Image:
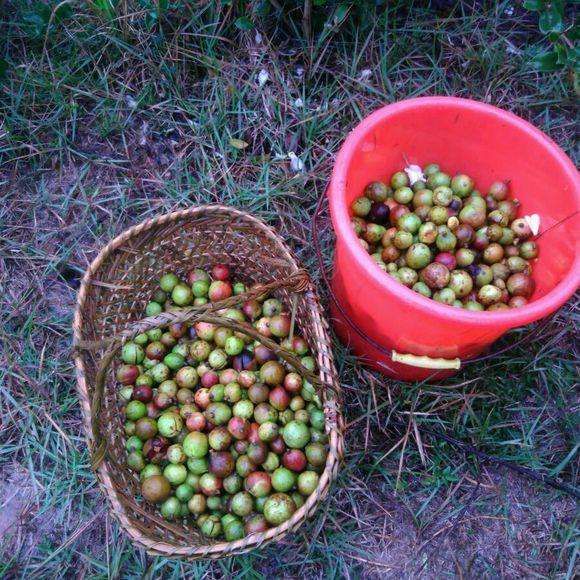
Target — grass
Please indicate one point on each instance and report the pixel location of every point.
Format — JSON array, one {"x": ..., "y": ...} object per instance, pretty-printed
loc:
[{"x": 106, "y": 121}]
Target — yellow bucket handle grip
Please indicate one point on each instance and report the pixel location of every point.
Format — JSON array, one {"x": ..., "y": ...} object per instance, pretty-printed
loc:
[{"x": 426, "y": 362}]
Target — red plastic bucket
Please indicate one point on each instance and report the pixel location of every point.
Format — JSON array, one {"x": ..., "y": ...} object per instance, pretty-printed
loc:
[{"x": 462, "y": 136}]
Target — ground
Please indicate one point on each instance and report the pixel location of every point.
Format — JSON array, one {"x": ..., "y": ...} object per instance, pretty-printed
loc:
[{"x": 109, "y": 119}]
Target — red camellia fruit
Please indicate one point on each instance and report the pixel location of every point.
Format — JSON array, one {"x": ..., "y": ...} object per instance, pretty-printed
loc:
[
  {"x": 220, "y": 272},
  {"x": 155, "y": 351},
  {"x": 152, "y": 410},
  {"x": 228, "y": 376},
  {"x": 219, "y": 290},
  {"x": 299, "y": 345},
  {"x": 280, "y": 325},
  {"x": 294, "y": 460},
  {"x": 246, "y": 379},
  {"x": 143, "y": 393},
  {"x": 195, "y": 275},
  {"x": 293, "y": 382},
  {"x": 258, "y": 483},
  {"x": 279, "y": 398},
  {"x": 239, "y": 428},
  {"x": 127, "y": 374},
  {"x": 209, "y": 379},
  {"x": 202, "y": 398},
  {"x": 277, "y": 445},
  {"x": 447, "y": 259},
  {"x": 241, "y": 446},
  {"x": 163, "y": 400},
  {"x": 178, "y": 329},
  {"x": 264, "y": 354},
  {"x": 205, "y": 330},
  {"x": 196, "y": 422},
  {"x": 257, "y": 452},
  {"x": 253, "y": 436},
  {"x": 263, "y": 326},
  {"x": 252, "y": 309},
  {"x": 397, "y": 212},
  {"x": 435, "y": 275},
  {"x": 221, "y": 463},
  {"x": 256, "y": 525}
]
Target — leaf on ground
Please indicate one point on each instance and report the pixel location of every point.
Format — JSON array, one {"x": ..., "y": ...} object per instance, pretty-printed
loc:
[{"x": 238, "y": 144}]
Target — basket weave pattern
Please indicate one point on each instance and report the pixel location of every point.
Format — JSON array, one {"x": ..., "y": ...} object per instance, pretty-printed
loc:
[{"x": 111, "y": 302}]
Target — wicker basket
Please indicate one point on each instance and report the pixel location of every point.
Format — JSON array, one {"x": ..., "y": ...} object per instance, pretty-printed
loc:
[{"x": 111, "y": 300}]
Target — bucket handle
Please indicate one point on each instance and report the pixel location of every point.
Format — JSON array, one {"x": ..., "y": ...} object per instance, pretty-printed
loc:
[{"x": 426, "y": 362}]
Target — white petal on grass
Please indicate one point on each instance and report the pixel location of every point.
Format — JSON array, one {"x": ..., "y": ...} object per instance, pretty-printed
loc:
[
  {"x": 534, "y": 222},
  {"x": 258, "y": 38},
  {"x": 365, "y": 74},
  {"x": 131, "y": 102},
  {"x": 263, "y": 77},
  {"x": 296, "y": 164},
  {"x": 298, "y": 103},
  {"x": 414, "y": 173}
]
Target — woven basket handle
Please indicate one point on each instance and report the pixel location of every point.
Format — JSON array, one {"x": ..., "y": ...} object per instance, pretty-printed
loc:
[{"x": 297, "y": 282}]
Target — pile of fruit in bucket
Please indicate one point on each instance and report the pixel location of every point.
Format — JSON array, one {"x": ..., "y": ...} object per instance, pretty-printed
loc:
[
  {"x": 442, "y": 238},
  {"x": 218, "y": 427}
]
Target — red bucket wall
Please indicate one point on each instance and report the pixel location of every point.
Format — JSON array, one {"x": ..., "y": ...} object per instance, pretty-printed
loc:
[{"x": 463, "y": 136}]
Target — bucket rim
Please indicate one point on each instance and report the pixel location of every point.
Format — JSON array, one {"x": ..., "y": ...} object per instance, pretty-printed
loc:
[{"x": 340, "y": 216}]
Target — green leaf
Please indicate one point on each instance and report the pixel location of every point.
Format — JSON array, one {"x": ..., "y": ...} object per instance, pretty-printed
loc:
[
  {"x": 105, "y": 8},
  {"x": 561, "y": 54},
  {"x": 534, "y": 5},
  {"x": 341, "y": 13},
  {"x": 574, "y": 33},
  {"x": 558, "y": 6},
  {"x": 244, "y": 23},
  {"x": 546, "y": 61},
  {"x": 161, "y": 7},
  {"x": 551, "y": 21},
  {"x": 63, "y": 12}
]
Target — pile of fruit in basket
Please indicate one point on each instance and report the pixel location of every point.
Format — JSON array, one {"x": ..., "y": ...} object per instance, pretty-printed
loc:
[
  {"x": 445, "y": 240},
  {"x": 218, "y": 427}
]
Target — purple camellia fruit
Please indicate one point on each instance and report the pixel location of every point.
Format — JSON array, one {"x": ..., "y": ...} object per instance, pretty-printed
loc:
[{"x": 379, "y": 213}]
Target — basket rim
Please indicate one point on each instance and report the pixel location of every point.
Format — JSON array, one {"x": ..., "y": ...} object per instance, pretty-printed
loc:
[{"x": 334, "y": 429}]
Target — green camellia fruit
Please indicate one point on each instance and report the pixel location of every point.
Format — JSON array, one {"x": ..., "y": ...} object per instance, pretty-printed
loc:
[
  {"x": 174, "y": 361},
  {"x": 175, "y": 474},
  {"x": 283, "y": 479},
  {"x": 462, "y": 185},
  {"x": 167, "y": 282},
  {"x": 184, "y": 492},
  {"x": 135, "y": 410},
  {"x": 169, "y": 424},
  {"x": 307, "y": 482},
  {"x": 278, "y": 508},
  {"x": 196, "y": 445},
  {"x": 418, "y": 256},
  {"x": 159, "y": 373},
  {"x": 132, "y": 354},
  {"x": 182, "y": 295},
  {"x": 296, "y": 435}
]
